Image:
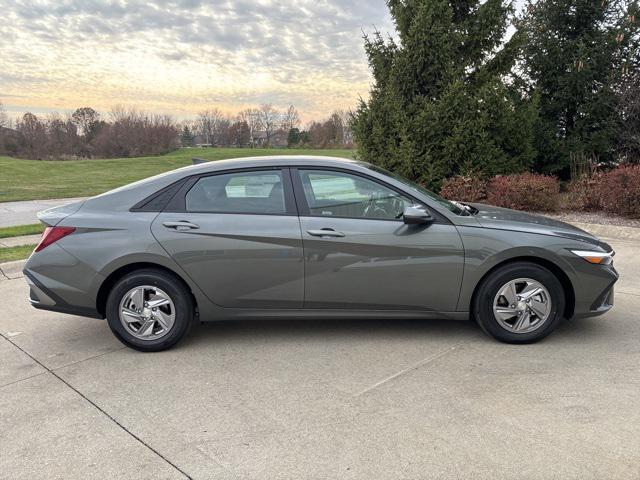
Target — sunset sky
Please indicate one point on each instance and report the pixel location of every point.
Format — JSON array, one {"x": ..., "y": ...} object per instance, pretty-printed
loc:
[{"x": 182, "y": 56}]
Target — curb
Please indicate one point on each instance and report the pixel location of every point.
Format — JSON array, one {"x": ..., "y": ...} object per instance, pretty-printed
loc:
[
  {"x": 12, "y": 270},
  {"x": 19, "y": 241}
]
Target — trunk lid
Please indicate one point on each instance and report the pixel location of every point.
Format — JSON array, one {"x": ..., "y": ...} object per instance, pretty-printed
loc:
[{"x": 54, "y": 215}]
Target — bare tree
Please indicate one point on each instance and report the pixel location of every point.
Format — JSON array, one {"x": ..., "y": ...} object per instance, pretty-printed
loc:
[
  {"x": 4, "y": 119},
  {"x": 290, "y": 119},
  {"x": 208, "y": 124},
  {"x": 269, "y": 118},
  {"x": 85, "y": 119},
  {"x": 251, "y": 116},
  {"x": 32, "y": 137},
  {"x": 345, "y": 119},
  {"x": 239, "y": 134}
]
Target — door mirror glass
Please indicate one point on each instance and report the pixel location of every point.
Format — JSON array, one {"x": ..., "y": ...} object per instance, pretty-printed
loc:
[{"x": 416, "y": 215}]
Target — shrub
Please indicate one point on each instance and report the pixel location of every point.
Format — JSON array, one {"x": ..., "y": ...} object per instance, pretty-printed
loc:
[
  {"x": 465, "y": 188},
  {"x": 524, "y": 191},
  {"x": 619, "y": 191},
  {"x": 584, "y": 193}
]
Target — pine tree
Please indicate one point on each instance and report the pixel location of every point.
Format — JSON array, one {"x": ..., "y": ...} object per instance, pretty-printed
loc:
[
  {"x": 187, "y": 138},
  {"x": 575, "y": 55},
  {"x": 440, "y": 104}
]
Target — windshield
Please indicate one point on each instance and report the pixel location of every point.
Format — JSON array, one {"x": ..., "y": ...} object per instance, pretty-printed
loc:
[{"x": 452, "y": 207}]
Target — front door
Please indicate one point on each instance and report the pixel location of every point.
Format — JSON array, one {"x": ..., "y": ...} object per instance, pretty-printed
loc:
[
  {"x": 238, "y": 237},
  {"x": 359, "y": 254}
]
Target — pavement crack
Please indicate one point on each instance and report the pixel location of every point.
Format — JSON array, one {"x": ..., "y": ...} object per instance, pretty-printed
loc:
[
  {"x": 86, "y": 359},
  {"x": 22, "y": 379},
  {"x": 3, "y": 274},
  {"x": 413, "y": 367},
  {"x": 100, "y": 409}
]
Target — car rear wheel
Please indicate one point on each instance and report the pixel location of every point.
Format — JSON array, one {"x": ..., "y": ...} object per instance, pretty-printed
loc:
[
  {"x": 149, "y": 310},
  {"x": 520, "y": 302}
]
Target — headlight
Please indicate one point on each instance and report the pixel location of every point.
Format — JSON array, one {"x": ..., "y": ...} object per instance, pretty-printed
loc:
[{"x": 598, "y": 258}]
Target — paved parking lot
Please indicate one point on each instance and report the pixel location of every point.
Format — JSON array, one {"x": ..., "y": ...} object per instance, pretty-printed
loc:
[{"x": 322, "y": 399}]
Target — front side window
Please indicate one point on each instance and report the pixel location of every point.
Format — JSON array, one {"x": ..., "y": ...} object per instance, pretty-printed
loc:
[
  {"x": 242, "y": 192},
  {"x": 339, "y": 194}
]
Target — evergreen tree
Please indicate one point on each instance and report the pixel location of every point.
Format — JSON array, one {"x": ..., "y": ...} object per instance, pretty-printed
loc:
[
  {"x": 293, "y": 137},
  {"x": 187, "y": 138},
  {"x": 575, "y": 55},
  {"x": 440, "y": 104}
]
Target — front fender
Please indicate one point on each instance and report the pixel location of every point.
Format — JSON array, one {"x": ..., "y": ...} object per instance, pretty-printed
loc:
[{"x": 485, "y": 249}]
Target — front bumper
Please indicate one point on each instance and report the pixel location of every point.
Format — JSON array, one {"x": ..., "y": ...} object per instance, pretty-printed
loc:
[{"x": 595, "y": 293}]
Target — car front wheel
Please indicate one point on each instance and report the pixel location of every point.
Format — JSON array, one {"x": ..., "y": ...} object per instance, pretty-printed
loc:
[
  {"x": 149, "y": 310},
  {"x": 521, "y": 302}
]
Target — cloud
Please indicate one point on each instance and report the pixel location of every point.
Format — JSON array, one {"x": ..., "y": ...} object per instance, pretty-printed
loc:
[{"x": 180, "y": 54}]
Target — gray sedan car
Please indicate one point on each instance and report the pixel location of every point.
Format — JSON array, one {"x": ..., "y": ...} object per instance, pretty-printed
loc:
[{"x": 309, "y": 237}]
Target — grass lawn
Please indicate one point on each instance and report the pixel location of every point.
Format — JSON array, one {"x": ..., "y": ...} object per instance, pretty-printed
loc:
[
  {"x": 10, "y": 254},
  {"x": 35, "y": 179},
  {"x": 20, "y": 230}
]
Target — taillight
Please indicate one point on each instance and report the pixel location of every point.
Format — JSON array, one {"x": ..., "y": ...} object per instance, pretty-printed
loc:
[{"x": 52, "y": 235}]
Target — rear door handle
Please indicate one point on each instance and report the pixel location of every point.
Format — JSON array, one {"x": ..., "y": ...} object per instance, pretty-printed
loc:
[
  {"x": 325, "y": 232},
  {"x": 181, "y": 226}
]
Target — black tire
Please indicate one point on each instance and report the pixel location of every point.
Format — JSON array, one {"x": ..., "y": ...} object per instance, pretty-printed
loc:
[
  {"x": 172, "y": 286},
  {"x": 488, "y": 289}
]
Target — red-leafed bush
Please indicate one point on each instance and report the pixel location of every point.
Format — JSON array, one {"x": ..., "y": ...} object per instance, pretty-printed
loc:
[
  {"x": 619, "y": 191},
  {"x": 524, "y": 191},
  {"x": 584, "y": 193},
  {"x": 464, "y": 188}
]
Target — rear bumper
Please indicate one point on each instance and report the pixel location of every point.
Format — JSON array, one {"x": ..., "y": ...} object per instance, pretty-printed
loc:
[
  {"x": 43, "y": 298},
  {"x": 59, "y": 282}
]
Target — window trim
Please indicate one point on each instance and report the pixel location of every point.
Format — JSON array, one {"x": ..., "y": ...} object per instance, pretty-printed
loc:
[
  {"x": 303, "y": 204},
  {"x": 178, "y": 202},
  {"x": 143, "y": 205}
]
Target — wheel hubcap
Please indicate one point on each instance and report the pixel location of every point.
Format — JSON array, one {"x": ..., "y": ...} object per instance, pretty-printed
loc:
[
  {"x": 522, "y": 305},
  {"x": 147, "y": 312}
]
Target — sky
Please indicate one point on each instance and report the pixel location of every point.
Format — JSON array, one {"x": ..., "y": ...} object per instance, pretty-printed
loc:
[{"x": 183, "y": 56}]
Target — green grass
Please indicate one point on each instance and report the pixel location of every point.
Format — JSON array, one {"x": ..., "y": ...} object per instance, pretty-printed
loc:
[
  {"x": 10, "y": 254},
  {"x": 36, "y": 179},
  {"x": 21, "y": 230}
]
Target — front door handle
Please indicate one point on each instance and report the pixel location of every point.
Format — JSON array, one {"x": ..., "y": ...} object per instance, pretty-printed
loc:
[
  {"x": 181, "y": 226},
  {"x": 325, "y": 232}
]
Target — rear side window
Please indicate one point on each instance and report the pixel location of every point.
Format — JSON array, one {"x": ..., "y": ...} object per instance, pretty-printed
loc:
[{"x": 242, "y": 192}]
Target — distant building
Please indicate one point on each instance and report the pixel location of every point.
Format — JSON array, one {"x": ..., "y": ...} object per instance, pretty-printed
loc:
[
  {"x": 278, "y": 139},
  {"x": 259, "y": 140},
  {"x": 201, "y": 141}
]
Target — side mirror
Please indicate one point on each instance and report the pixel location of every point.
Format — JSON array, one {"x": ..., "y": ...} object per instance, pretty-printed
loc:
[{"x": 416, "y": 215}]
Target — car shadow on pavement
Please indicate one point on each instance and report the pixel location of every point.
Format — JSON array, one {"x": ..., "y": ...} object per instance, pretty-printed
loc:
[
  {"x": 375, "y": 330},
  {"x": 330, "y": 329}
]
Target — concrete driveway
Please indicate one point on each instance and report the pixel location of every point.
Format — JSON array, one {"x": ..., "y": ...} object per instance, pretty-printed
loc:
[{"x": 331, "y": 399}]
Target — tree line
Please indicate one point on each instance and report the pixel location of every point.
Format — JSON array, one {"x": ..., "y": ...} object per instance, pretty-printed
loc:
[
  {"x": 128, "y": 132},
  {"x": 124, "y": 132},
  {"x": 453, "y": 95},
  {"x": 266, "y": 126}
]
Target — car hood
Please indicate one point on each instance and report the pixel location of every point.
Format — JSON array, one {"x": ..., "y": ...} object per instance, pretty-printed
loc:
[{"x": 506, "y": 219}]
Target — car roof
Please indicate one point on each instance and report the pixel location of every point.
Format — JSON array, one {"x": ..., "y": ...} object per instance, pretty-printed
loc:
[{"x": 267, "y": 161}]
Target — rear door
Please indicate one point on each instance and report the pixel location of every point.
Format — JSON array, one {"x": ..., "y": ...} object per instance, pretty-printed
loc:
[
  {"x": 237, "y": 235},
  {"x": 359, "y": 253}
]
